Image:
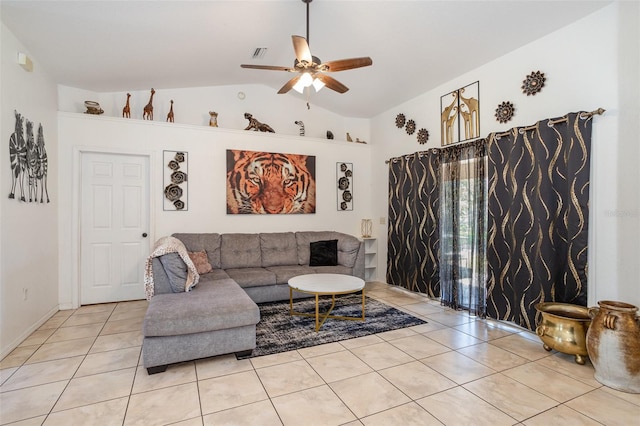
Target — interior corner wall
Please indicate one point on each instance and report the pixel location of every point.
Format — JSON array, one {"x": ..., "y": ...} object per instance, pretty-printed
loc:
[
  {"x": 206, "y": 210},
  {"x": 28, "y": 231},
  {"x": 581, "y": 64}
]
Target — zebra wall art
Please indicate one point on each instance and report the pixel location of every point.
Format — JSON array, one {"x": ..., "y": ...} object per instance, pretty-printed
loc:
[{"x": 28, "y": 161}]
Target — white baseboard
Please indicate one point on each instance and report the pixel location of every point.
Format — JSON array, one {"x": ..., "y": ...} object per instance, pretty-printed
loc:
[{"x": 7, "y": 350}]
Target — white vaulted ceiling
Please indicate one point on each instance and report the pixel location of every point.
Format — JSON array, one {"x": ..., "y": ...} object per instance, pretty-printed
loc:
[{"x": 110, "y": 46}]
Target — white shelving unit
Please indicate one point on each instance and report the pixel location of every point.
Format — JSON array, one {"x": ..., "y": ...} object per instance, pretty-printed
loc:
[{"x": 370, "y": 258}]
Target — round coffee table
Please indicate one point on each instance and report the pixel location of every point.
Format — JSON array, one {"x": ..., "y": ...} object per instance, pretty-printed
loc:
[{"x": 322, "y": 285}]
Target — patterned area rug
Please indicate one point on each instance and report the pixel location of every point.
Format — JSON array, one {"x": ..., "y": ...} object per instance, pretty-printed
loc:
[{"x": 277, "y": 331}]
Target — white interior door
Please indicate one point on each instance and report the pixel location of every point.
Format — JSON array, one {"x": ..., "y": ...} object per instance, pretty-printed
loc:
[{"x": 114, "y": 227}]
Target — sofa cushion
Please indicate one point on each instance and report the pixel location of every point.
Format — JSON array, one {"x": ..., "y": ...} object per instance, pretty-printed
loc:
[
  {"x": 176, "y": 271},
  {"x": 200, "y": 259},
  {"x": 323, "y": 253},
  {"x": 216, "y": 305},
  {"x": 208, "y": 242},
  {"x": 285, "y": 272},
  {"x": 278, "y": 249},
  {"x": 240, "y": 251},
  {"x": 216, "y": 274},
  {"x": 249, "y": 277},
  {"x": 348, "y": 246},
  {"x": 160, "y": 279}
]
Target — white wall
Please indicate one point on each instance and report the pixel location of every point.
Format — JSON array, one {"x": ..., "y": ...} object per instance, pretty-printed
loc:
[
  {"x": 207, "y": 170},
  {"x": 581, "y": 63},
  {"x": 29, "y": 231}
]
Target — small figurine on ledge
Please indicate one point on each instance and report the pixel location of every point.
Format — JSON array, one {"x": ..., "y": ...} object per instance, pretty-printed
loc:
[
  {"x": 359, "y": 141},
  {"x": 349, "y": 137},
  {"x": 148, "y": 109},
  {"x": 213, "y": 119},
  {"x": 256, "y": 125},
  {"x": 126, "y": 111},
  {"x": 170, "y": 115},
  {"x": 301, "y": 124},
  {"x": 93, "y": 107}
]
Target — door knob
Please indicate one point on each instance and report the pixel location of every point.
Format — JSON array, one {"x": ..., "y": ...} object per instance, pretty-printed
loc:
[{"x": 144, "y": 235}]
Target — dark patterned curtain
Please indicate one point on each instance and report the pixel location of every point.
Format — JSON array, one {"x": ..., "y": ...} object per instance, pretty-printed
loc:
[
  {"x": 537, "y": 217},
  {"x": 414, "y": 238},
  {"x": 463, "y": 226}
]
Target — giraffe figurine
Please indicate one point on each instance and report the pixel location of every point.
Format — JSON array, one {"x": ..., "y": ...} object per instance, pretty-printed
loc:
[
  {"x": 126, "y": 111},
  {"x": 170, "y": 115},
  {"x": 148, "y": 109}
]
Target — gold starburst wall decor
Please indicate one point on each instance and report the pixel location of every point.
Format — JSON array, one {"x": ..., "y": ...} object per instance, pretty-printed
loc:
[
  {"x": 533, "y": 83},
  {"x": 423, "y": 136},
  {"x": 504, "y": 112}
]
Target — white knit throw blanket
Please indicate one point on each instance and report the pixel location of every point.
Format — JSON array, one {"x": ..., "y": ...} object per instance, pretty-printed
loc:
[{"x": 163, "y": 246}]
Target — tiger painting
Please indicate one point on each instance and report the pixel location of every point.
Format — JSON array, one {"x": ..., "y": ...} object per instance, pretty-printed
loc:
[{"x": 270, "y": 183}]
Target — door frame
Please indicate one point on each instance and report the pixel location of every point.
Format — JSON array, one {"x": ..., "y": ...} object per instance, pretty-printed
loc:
[{"x": 76, "y": 212}]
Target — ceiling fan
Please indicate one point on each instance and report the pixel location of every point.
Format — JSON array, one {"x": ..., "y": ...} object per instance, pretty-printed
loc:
[{"x": 311, "y": 70}]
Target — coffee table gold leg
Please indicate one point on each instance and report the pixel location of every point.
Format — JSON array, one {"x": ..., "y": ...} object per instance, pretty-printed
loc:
[
  {"x": 290, "y": 301},
  {"x": 317, "y": 326},
  {"x": 363, "y": 304}
]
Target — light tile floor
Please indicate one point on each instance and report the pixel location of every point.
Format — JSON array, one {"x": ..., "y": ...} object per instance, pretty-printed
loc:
[{"x": 82, "y": 367}]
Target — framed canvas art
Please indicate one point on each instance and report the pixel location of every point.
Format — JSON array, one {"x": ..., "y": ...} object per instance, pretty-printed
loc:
[{"x": 270, "y": 183}]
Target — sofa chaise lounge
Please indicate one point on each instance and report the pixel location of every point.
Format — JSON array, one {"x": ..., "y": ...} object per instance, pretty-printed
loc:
[{"x": 219, "y": 315}]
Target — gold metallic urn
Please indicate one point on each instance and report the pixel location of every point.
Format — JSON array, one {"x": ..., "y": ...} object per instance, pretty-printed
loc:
[{"x": 564, "y": 328}]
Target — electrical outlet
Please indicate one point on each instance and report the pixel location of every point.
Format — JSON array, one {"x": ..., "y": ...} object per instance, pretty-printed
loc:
[
  {"x": 383, "y": 220},
  {"x": 25, "y": 294}
]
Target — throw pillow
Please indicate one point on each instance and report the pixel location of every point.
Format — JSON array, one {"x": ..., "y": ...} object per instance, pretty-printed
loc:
[
  {"x": 176, "y": 271},
  {"x": 201, "y": 261},
  {"x": 324, "y": 253}
]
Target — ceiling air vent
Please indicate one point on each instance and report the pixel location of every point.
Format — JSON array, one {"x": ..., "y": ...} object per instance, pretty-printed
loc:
[{"x": 259, "y": 52}]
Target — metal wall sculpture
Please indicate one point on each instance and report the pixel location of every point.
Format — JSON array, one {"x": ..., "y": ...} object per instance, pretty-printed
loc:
[
  {"x": 29, "y": 162},
  {"x": 344, "y": 177},
  {"x": 460, "y": 114},
  {"x": 270, "y": 183},
  {"x": 175, "y": 180}
]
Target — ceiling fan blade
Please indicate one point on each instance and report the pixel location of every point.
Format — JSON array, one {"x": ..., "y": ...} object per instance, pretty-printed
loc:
[
  {"x": 268, "y": 67},
  {"x": 289, "y": 85},
  {"x": 331, "y": 83},
  {"x": 346, "y": 64},
  {"x": 301, "y": 47}
]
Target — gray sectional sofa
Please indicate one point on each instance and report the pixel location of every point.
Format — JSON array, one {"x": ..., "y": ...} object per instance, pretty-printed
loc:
[{"x": 219, "y": 315}]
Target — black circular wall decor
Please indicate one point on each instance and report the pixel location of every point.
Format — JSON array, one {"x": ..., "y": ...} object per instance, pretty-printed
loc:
[
  {"x": 400, "y": 120},
  {"x": 504, "y": 112},
  {"x": 533, "y": 83}
]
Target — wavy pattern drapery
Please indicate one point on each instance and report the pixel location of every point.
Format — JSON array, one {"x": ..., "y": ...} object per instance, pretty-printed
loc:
[
  {"x": 538, "y": 218},
  {"x": 413, "y": 234}
]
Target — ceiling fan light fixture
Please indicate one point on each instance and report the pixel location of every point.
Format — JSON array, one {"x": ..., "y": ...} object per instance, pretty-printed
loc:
[
  {"x": 317, "y": 84},
  {"x": 306, "y": 80}
]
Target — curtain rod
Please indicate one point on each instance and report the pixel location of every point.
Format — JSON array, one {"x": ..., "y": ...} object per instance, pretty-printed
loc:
[{"x": 583, "y": 115}]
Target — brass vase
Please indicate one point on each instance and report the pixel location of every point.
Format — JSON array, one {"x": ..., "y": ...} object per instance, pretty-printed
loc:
[
  {"x": 564, "y": 328},
  {"x": 613, "y": 343}
]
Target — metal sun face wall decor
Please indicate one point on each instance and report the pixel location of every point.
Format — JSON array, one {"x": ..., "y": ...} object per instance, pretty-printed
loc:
[
  {"x": 460, "y": 114},
  {"x": 270, "y": 183},
  {"x": 344, "y": 177},
  {"x": 29, "y": 162},
  {"x": 175, "y": 180}
]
